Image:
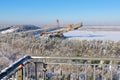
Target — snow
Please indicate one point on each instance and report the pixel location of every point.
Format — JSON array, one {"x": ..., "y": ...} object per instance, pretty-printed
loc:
[
  {"x": 93, "y": 35},
  {"x": 8, "y": 31},
  {"x": 83, "y": 34}
]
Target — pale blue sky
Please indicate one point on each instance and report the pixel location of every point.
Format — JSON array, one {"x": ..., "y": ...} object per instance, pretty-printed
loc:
[{"x": 90, "y": 12}]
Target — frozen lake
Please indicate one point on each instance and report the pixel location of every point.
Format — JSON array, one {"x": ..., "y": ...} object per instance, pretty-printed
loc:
[{"x": 93, "y": 35}]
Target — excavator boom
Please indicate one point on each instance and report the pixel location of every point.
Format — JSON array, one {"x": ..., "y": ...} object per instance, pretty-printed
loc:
[{"x": 60, "y": 32}]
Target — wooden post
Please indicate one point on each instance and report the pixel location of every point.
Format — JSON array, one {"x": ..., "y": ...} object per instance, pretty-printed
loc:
[{"x": 20, "y": 74}]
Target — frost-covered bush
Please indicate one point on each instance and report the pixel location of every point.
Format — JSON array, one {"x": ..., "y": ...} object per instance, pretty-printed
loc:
[{"x": 15, "y": 46}]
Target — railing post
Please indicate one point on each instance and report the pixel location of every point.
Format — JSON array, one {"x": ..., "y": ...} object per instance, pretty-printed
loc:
[
  {"x": 44, "y": 70},
  {"x": 35, "y": 70},
  {"x": 102, "y": 71},
  {"x": 85, "y": 71},
  {"x": 77, "y": 70},
  {"x": 27, "y": 71},
  {"x": 13, "y": 78},
  {"x": 61, "y": 73},
  {"x": 94, "y": 76},
  {"x": 20, "y": 74},
  {"x": 24, "y": 73}
]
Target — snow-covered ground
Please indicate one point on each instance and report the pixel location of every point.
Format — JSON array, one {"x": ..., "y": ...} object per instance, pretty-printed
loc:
[
  {"x": 8, "y": 31},
  {"x": 93, "y": 35},
  {"x": 85, "y": 33}
]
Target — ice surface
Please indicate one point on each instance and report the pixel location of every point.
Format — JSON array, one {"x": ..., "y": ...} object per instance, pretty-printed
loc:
[{"x": 91, "y": 35}]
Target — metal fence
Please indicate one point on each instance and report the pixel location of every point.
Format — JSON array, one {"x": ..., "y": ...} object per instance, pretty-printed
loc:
[{"x": 63, "y": 68}]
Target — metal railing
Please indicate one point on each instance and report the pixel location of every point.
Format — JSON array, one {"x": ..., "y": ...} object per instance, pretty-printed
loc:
[
  {"x": 62, "y": 68},
  {"x": 15, "y": 66}
]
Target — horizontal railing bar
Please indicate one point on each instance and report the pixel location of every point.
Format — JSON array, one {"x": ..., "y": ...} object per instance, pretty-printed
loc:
[
  {"x": 81, "y": 64},
  {"x": 74, "y": 58}
]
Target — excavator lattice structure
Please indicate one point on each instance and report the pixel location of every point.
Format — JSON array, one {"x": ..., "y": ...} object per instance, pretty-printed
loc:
[{"x": 59, "y": 33}]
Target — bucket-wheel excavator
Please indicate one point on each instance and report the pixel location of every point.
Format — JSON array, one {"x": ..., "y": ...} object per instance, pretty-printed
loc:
[{"x": 59, "y": 33}]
